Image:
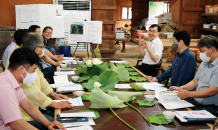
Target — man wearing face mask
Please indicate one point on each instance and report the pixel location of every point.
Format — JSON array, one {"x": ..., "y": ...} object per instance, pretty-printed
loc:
[
  {"x": 205, "y": 82},
  {"x": 152, "y": 52},
  {"x": 183, "y": 67},
  {"x": 22, "y": 69},
  {"x": 39, "y": 90}
]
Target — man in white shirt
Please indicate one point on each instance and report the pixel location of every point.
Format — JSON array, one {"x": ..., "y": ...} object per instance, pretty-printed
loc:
[
  {"x": 152, "y": 52},
  {"x": 18, "y": 39}
]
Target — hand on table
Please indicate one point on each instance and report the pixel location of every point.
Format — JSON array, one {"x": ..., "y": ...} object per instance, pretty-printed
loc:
[
  {"x": 183, "y": 94},
  {"x": 63, "y": 104},
  {"x": 177, "y": 88},
  {"x": 58, "y": 63},
  {"x": 56, "y": 124},
  {"x": 151, "y": 79},
  {"x": 60, "y": 96}
]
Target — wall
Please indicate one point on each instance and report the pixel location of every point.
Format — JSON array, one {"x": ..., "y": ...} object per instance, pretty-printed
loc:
[
  {"x": 120, "y": 4},
  {"x": 7, "y": 9}
]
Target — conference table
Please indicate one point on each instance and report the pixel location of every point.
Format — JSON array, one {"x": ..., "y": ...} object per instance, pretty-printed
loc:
[{"x": 108, "y": 121}]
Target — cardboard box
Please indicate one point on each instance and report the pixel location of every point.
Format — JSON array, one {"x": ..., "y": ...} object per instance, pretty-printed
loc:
[
  {"x": 167, "y": 28},
  {"x": 162, "y": 36},
  {"x": 164, "y": 18},
  {"x": 172, "y": 23}
]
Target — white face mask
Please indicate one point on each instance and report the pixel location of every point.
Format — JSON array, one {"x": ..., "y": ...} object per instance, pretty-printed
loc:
[
  {"x": 30, "y": 78},
  {"x": 42, "y": 52},
  {"x": 204, "y": 57}
]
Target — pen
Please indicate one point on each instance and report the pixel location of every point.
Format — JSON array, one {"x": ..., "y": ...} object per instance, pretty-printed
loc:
[
  {"x": 173, "y": 89},
  {"x": 214, "y": 126}
]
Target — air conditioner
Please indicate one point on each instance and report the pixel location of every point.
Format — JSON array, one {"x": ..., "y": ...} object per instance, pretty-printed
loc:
[{"x": 79, "y": 10}]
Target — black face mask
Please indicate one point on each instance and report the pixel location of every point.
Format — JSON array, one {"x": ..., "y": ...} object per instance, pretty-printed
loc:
[{"x": 175, "y": 47}]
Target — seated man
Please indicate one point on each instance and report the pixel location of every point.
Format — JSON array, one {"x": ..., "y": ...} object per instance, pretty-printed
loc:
[
  {"x": 184, "y": 64},
  {"x": 22, "y": 69},
  {"x": 47, "y": 67},
  {"x": 38, "y": 90},
  {"x": 18, "y": 39},
  {"x": 152, "y": 52},
  {"x": 205, "y": 82}
]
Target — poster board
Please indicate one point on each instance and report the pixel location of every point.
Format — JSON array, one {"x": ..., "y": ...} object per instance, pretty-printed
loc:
[
  {"x": 85, "y": 31},
  {"x": 42, "y": 15}
]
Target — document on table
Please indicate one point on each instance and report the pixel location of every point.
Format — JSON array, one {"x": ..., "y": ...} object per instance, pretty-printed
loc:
[
  {"x": 68, "y": 58},
  {"x": 154, "y": 86},
  {"x": 69, "y": 84},
  {"x": 73, "y": 88},
  {"x": 176, "y": 104},
  {"x": 61, "y": 79},
  {"x": 65, "y": 69},
  {"x": 77, "y": 128},
  {"x": 73, "y": 101},
  {"x": 117, "y": 62},
  {"x": 90, "y": 122},
  {"x": 64, "y": 73},
  {"x": 69, "y": 61},
  {"x": 203, "y": 114},
  {"x": 78, "y": 114},
  {"x": 122, "y": 86}
]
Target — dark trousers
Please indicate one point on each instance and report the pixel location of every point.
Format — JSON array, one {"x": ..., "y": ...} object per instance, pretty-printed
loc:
[
  {"x": 210, "y": 108},
  {"x": 40, "y": 126},
  {"x": 147, "y": 69},
  {"x": 49, "y": 111}
]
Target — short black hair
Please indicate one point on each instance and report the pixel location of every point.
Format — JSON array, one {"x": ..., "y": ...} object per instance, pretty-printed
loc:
[
  {"x": 33, "y": 28},
  {"x": 23, "y": 56},
  {"x": 155, "y": 25},
  {"x": 208, "y": 42},
  {"x": 183, "y": 35},
  {"x": 19, "y": 34},
  {"x": 47, "y": 27}
]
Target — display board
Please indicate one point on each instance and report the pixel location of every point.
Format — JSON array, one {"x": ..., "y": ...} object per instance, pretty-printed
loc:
[{"x": 42, "y": 15}]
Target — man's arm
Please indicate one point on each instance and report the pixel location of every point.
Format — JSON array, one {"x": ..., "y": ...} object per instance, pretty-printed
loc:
[
  {"x": 50, "y": 61},
  {"x": 21, "y": 125},
  {"x": 189, "y": 86},
  {"x": 211, "y": 91},
  {"x": 142, "y": 51},
  {"x": 34, "y": 112},
  {"x": 48, "y": 53}
]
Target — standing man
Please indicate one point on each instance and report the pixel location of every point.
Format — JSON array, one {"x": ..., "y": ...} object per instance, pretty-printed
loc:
[
  {"x": 22, "y": 69},
  {"x": 184, "y": 64},
  {"x": 152, "y": 52},
  {"x": 202, "y": 91}
]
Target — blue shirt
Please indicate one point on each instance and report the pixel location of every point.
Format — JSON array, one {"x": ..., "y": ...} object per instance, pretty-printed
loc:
[
  {"x": 48, "y": 44},
  {"x": 182, "y": 70},
  {"x": 7, "y": 52},
  {"x": 207, "y": 75}
]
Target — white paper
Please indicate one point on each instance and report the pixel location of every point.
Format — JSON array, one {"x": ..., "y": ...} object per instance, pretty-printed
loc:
[
  {"x": 68, "y": 58},
  {"x": 117, "y": 62},
  {"x": 72, "y": 88},
  {"x": 64, "y": 73},
  {"x": 180, "y": 118},
  {"x": 175, "y": 104},
  {"x": 63, "y": 69},
  {"x": 79, "y": 114},
  {"x": 157, "y": 94},
  {"x": 122, "y": 86},
  {"x": 154, "y": 86},
  {"x": 77, "y": 128},
  {"x": 195, "y": 114},
  {"x": 61, "y": 79},
  {"x": 74, "y": 101},
  {"x": 69, "y": 84},
  {"x": 69, "y": 61}
]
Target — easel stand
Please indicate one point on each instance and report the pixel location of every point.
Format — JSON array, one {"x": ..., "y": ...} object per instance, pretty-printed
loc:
[{"x": 86, "y": 44}]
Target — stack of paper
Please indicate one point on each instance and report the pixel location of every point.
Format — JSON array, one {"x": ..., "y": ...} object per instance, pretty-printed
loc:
[
  {"x": 170, "y": 100},
  {"x": 64, "y": 73},
  {"x": 183, "y": 116},
  {"x": 61, "y": 79},
  {"x": 71, "y": 88},
  {"x": 73, "y": 101},
  {"x": 147, "y": 85},
  {"x": 117, "y": 62},
  {"x": 77, "y": 128},
  {"x": 80, "y": 114},
  {"x": 66, "y": 69},
  {"x": 68, "y": 84},
  {"x": 68, "y": 58},
  {"x": 69, "y": 61}
]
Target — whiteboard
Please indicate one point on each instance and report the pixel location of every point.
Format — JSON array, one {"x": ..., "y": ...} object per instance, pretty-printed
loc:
[{"x": 42, "y": 15}]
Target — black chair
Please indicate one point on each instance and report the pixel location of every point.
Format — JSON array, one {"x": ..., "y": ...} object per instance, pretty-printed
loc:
[{"x": 158, "y": 67}]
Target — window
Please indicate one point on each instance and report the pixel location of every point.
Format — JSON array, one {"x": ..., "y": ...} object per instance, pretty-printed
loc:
[
  {"x": 126, "y": 12},
  {"x": 166, "y": 7}
]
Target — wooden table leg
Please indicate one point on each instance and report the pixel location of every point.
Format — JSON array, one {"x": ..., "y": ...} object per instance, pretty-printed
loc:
[{"x": 123, "y": 46}]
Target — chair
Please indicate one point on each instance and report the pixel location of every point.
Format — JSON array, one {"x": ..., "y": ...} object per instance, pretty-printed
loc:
[{"x": 158, "y": 67}]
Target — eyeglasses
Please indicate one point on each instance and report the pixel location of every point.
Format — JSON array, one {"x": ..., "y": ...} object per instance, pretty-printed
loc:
[
  {"x": 41, "y": 46},
  {"x": 153, "y": 31},
  {"x": 48, "y": 32}
]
